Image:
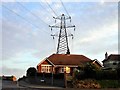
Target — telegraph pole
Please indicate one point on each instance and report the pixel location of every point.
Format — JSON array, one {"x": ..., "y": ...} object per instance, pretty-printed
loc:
[{"x": 62, "y": 47}]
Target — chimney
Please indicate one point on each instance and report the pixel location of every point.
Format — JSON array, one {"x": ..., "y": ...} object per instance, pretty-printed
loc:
[{"x": 106, "y": 55}]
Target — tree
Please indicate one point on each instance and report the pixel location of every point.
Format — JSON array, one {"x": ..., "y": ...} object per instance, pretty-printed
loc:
[
  {"x": 118, "y": 73},
  {"x": 90, "y": 70},
  {"x": 87, "y": 70},
  {"x": 31, "y": 72}
]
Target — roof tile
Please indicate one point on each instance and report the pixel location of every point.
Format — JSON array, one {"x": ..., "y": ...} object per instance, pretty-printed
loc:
[{"x": 68, "y": 59}]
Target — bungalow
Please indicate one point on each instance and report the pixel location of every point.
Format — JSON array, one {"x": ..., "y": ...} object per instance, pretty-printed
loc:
[
  {"x": 59, "y": 63},
  {"x": 112, "y": 61},
  {"x": 10, "y": 78}
]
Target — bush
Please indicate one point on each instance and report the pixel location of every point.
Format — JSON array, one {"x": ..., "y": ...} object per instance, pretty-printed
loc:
[
  {"x": 109, "y": 83},
  {"x": 86, "y": 72},
  {"x": 118, "y": 73},
  {"x": 106, "y": 75},
  {"x": 89, "y": 71},
  {"x": 88, "y": 83},
  {"x": 31, "y": 72},
  {"x": 79, "y": 75}
]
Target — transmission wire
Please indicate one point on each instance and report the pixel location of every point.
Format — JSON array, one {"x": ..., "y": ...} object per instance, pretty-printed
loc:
[
  {"x": 45, "y": 9},
  {"x": 31, "y": 12},
  {"x": 64, "y": 8},
  {"x": 22, "y": 17},
  {"x": 51, "y": 8}
]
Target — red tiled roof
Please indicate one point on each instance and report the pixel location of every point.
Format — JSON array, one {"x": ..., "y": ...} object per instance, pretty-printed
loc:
[
  {"x": 68, "y": 59},
  {"x": 115, "y": 57}
]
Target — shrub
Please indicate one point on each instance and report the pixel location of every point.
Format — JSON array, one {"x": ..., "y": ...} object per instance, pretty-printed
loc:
[
  {"x": 88, "y": 71},
  {"x": 92, "y": 72},
  {"x": 118, "y": 73},
  {"x": 31, "y": 72},
  {"x": 106, "y": 75},
  {"x": 109, "y": 83},
  {"x": 88, "y": 83}
]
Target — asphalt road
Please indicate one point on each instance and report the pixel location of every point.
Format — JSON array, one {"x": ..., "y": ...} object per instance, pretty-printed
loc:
[{"x": 10, "y": 85}]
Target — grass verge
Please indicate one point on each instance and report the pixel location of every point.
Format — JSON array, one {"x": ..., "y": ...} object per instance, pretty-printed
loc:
[{"x": 109, "y": 83}]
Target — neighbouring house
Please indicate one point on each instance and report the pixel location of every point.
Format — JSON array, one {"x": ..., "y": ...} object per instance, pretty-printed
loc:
[
  {"x": 58, "y": 63},
  {"x": 97, "y": 63},
  {"x": 10, "y": 78},
  {"x": 112, "y": 61}
]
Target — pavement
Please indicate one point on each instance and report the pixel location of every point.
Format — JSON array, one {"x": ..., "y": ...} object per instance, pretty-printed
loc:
[
  {"x": 10, "y": 84},
  {"x": 24, "y": 84},
  {"x": 42, "y": 87}
]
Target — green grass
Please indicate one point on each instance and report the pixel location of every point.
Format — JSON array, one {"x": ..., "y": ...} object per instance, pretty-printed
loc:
[{"x": 109, "y": 83}]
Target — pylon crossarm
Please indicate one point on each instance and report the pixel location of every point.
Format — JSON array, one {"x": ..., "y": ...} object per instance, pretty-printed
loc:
[
  {"x": 70, "y": 26},
  {"x": 57, "y": 18},
  {"x": 67, "y": 18},
  {"x": 54, "y": 26}
]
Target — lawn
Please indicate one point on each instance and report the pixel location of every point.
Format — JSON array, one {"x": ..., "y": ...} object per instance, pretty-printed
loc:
[{"x": 109, "y": 83}]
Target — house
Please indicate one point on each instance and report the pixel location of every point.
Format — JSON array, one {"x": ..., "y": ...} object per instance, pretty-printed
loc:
[
  {"x": 112, "y": 61},
  {"x": 59, "y": 63},
  {"x": 10, "y": 78},
  {"x": 97, "y": 63}
]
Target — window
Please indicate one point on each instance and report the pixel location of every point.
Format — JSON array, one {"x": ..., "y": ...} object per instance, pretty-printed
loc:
[
  {"x": 42, "y": 69},
  {"x": 62, "y": 69},
  {"x": 45, "y": 68}
]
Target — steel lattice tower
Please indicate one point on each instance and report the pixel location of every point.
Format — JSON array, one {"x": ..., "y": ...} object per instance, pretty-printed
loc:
[{"x": 62, "y": 47}]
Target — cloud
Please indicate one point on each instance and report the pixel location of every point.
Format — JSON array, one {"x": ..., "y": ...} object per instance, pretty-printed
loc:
[
  {"x": 12, "y": 71},
  {"x": 0, "y": 40},
  {"x": 20, "y": 38},
  {"x": 11, "y": 38},
  {"x": 98, "y": 41},
  {"x": 24, "y": 45},
  {"x": 101, "y": 33},
  {"x": 49, "y": 1}
]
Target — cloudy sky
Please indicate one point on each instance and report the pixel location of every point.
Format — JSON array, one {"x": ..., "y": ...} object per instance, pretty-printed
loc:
[{"x": 26, "y": 36}]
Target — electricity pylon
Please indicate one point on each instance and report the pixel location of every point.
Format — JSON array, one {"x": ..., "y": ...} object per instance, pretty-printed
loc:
[{"x": 63, "y": 47}]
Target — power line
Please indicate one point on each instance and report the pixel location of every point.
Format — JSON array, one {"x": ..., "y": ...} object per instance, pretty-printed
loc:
[
  {"x": 64, "y": 8},
  {"x": 44, "y": 8},
  {"x": 31, "y": 12},
  {"x": 22, "y": 17},
  {"x": 51, "y": 8}
]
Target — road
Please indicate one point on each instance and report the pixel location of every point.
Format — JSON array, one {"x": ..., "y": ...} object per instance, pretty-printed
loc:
[{"x": 9, "y": 85}]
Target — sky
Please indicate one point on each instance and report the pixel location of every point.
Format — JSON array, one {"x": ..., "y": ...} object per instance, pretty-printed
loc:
[{"x": 26, "y": 35}]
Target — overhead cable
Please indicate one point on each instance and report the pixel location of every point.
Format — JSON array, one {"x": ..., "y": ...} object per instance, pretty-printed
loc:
[
  {"x": 31, "y": 12},
  {"x": 64, "y": 8},
  {"x": 51, "y": 8},
  {"x": 45, "y": 8},
  {"x": 23, "y": 18}
]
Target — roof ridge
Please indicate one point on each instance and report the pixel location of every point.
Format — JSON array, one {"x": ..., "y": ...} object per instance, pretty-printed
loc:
[
  {"x": 114, "y": 54},
  {"x": 69, "y": 54}
]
